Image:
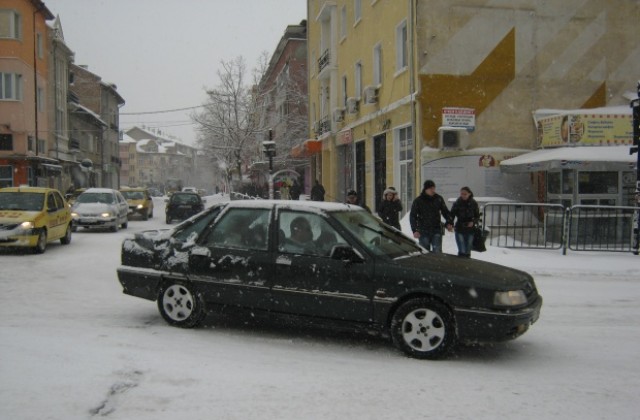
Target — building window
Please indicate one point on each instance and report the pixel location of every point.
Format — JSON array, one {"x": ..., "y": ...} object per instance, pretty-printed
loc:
[
  {"x": 6, "y": 142},
  {"x": 401, "y": 46},
  {"x": 358, "y": 80},
  {"x": 10, "y": 86},
  {"x": 377, "y": 65},
  {"x": 40, "y": 99},
  {"x": 6, "y": 176},
  {"x": 357, "y": 11},
  {"x": 344, "y": 91},
  {"x": 343, "y": 22},
  {"x": 39, "y": 45},
  {"x": 404, "y": 138},
  {"x": 10, "y": 24}
]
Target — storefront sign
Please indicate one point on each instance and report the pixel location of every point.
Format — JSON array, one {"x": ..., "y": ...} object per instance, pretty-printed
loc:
[
  {"x": 344, "y": 137},
  {"x": 459, "y": 117},
  {"x": 584, "y": 129}
]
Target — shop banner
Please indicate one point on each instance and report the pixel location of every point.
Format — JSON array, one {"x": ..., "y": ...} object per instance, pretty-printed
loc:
[
  {"x": 584, "y": 129},
  {"x": 459, "y": 117}
]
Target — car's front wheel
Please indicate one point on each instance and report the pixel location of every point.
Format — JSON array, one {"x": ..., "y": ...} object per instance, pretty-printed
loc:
[
  {"x": 423, "y": 328},
  {"x": 41, "y": 245},
  {"x": 179, "y": 305},
  {"x": 66, "y": 239}
]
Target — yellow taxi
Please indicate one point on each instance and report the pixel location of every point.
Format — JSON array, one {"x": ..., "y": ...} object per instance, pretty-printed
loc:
[
  {"x": 139, "y": 200},
  {"x": 32, "y": 216}
]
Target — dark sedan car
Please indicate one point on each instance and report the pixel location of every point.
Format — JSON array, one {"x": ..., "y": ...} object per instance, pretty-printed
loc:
[
  {"x": 182, "y": 205},
  {"x": 327, "y": 262}
]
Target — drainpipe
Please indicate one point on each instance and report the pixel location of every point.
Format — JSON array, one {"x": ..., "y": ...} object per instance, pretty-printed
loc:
[{"x": 412, "y": 93}]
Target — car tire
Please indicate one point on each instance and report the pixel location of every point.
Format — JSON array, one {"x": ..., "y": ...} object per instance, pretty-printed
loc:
[
  {"x": 125, "y": 224},
  {"x": 41, "y": 245},
  {"x": 423, "y": 328},
  {"x": 151, "y": 214},
  {"x": 115, "y": 227},
  {"x": 145, "y": 216},
  {"x": 66, "y": 239},
  {"x": 180, "y": 305}
]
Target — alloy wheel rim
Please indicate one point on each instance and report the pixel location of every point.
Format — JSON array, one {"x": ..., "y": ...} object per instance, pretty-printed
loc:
[
  {"x": 178, "y": 303},
  {"x": 423, "y": 330}
]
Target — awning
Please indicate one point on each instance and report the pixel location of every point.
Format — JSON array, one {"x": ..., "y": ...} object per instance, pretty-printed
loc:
[
  {"x": 52, "y": 168},
  {"x": 594, "y": 158},
  {"x": 307, "y": 148}
]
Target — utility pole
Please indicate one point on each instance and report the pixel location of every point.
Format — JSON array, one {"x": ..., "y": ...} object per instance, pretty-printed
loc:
[{"x": 635, "y": 105}]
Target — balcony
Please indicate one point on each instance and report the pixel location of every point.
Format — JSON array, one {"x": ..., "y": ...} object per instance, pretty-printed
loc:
[{"x": 324, "y": 60}]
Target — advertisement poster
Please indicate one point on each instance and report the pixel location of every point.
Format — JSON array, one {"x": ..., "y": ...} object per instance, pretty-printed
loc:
[
  {"x": 459, "y": 117},
  {"x": 584, "y": 129},
  {"x": 481, "y": 173}
]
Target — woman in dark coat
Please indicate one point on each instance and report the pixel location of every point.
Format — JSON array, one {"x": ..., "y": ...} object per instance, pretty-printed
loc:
[
  {"x": 466, "y": 213},
  {"x": 390, "y": 208}
]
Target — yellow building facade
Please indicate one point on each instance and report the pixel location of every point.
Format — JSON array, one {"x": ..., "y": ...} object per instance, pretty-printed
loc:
[{"x": 403, "y": 91}]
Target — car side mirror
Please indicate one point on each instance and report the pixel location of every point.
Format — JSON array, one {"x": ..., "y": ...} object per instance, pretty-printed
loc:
[{"x": 345, "y": 253}]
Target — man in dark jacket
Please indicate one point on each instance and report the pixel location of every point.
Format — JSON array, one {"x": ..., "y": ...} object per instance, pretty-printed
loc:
[
  {"x": 426, "y": 215},
  {"x": 317, "y": 192}
]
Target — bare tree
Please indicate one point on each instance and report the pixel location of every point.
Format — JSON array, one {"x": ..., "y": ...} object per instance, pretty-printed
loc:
[{"x": 230, "y": 120}]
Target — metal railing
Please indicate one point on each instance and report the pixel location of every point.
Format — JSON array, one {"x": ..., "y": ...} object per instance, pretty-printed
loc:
[
  {"x": 552, "y": 226},
  {"x": 600, "y": 228}
]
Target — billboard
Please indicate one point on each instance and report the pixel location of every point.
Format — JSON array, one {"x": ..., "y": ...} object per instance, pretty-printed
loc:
[{"x": 581, "y": 128}]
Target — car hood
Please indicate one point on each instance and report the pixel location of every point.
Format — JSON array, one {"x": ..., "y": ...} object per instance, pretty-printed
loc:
[
  {"x": 92, "y": 207},
  {"x": 15, "y": 216},
  {"x": 466, "y": 271}
]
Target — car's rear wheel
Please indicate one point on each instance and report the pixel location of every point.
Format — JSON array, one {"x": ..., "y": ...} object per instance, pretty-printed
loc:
[
  {"x": 41, "y": 245},
  {"x": 179, "y": 305},
  {"x": 423, "y": 328},
  {"x": 66, "y": 239},
  {"x": 125, "y": 224}
]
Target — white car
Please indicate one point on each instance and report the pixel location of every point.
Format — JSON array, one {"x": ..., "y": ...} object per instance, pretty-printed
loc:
[
  {"x": 100, "y": 208},
  {"x": 190, "y": 189}
]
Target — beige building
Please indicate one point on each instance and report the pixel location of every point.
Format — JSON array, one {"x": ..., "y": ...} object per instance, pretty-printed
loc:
[{"x": 400, "y": 92}]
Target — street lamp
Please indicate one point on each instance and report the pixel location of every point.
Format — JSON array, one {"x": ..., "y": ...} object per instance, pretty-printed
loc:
[{"x": 269, "y": 149}]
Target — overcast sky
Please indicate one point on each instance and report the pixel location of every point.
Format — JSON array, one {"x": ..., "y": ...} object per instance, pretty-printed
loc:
[{"x": 161, "y": 54}]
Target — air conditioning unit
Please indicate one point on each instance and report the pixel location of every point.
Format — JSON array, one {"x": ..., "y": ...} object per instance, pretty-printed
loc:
[
  {"x": 352, "y": 105},
  {"x": 370, "y": 94},
  {"x": 338, "y": 115},
  {"x": 453, "y": 138}
]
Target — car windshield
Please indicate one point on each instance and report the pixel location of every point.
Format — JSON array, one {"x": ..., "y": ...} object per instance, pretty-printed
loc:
[
  {"x": 105, "y": 198},
  {"x": 376, "y": 236},
  {"x": 30, "y": 201},
  {"x": 185, "y": 199},
  {"x": 133, "y": 195}
]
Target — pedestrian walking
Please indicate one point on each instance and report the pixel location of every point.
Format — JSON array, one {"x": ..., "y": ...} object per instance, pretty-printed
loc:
[
  {"x": 317, "y": 191},
  {"x": 295, "y": 191},
  {"x": 390, "y": 208},
  {"x": 352, "y": 198},
  {"x": 427, "y": 212},
  {"x": 466, "y": 213}
]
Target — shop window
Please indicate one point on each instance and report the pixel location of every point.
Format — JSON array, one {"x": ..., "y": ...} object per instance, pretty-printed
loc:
[
  {"x": 6, "y": 142},
  {"x": 598, "y": 183},
  {"x": 6, "y": 176},
  {"x": 554, "y": 183}
]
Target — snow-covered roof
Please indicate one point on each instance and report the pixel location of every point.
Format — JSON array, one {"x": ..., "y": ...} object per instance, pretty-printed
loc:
[
  {"x": 585, "y": 157},
  {"x": 608, "y": 110}
]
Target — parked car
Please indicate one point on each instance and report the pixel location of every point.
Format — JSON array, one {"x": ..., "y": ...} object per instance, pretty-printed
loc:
[
  {"x": 327, "y": 263},
  {"x": 139, "y": 201},
  {"x": 182, "y": 205},
  {"x": 31, "y": 217},
  {"x": 155, "y": 192},
  {"x": 100, "y": 208},
  {"x": 190, "y": 189}
]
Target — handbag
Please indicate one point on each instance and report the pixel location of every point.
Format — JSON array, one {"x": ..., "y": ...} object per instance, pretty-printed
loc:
[{"x": 478, "y": 240}]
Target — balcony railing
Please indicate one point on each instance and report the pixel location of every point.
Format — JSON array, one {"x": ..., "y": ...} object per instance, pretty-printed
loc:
[{"x": 324, "y": 60}]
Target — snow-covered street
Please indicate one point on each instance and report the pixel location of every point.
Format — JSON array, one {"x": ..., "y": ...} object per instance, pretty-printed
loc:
[{"x": 75, "y": 347}]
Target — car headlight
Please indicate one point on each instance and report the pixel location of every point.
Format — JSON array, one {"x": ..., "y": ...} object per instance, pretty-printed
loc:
[
  {"x": 139, "y": 206},
  {"x": 510, "y": 298},
  {"x": 106, "y": 214},
  {"x": 27, "y": 225},
  {"x": 74, "y": 214}
]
